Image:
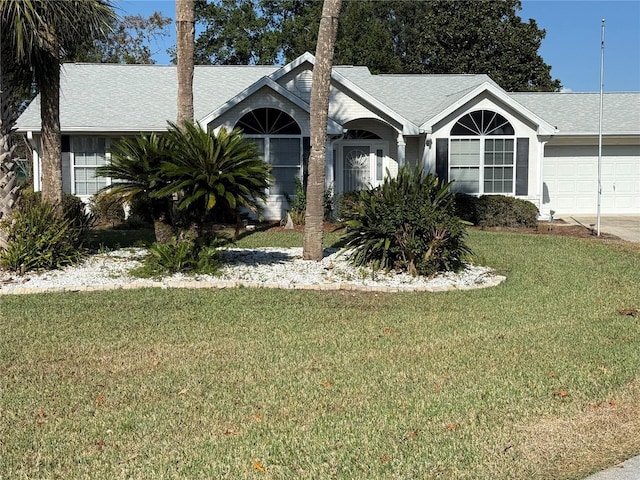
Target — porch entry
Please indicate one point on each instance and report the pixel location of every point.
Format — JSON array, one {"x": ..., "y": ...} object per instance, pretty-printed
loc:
[{"x": 362, "y": 165}]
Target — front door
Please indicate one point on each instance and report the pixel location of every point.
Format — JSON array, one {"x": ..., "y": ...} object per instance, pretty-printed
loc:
[{"x": 356, "y": 160}]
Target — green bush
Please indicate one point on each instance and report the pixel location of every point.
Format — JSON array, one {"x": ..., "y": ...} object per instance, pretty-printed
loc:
[
  {"x": 191, "y": 254},
  {"x": 73, "y": 209},
  {"x": 496, "y": 211},
  {"x": 407, "y": 224},
  {"x": 298, "y": 203},
  {"x": 40, "y": 239},
  {"x": 107, "y": 208}
]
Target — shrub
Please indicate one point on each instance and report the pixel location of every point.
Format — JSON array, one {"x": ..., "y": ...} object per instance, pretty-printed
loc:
[
  {"x": 466, "y": 207},
  {"x": 497, "y": 211},
  {"x": 407, "y": 224},
  {"x": 298, "y": 203},
  {"x": 108, "y": 209},
  {"x": 190, "y": 254},
  {"x": 40, "y": 239}
]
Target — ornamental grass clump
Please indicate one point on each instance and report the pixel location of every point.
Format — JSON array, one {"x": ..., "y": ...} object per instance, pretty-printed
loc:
[
  {"x": 406, "y": 224},
  {"x": 39, "y": 237}
]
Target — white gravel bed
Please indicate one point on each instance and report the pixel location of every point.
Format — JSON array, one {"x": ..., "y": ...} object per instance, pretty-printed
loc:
[{"x": 264, "y": 267}]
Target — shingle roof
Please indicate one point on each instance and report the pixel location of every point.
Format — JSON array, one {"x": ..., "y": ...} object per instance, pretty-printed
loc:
[
  {"x": 119, "y": 98},
  {"x": 578, "y": 113},
  {"x": 111, "y": 97},
  {"x": 415, "y": 97}
]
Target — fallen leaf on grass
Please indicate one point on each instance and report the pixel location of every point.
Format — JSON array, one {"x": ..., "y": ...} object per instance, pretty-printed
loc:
[
  {"x": 451, "y": 426},
  {"x": 258, "y": 466},
  {"x": 257, "y": 417},
  {"x": 326, "y": 383},
  {"x": 560, "y": 393},
  {"x": 100, "y": 399},
  {"x": 385, "y": 458},
  {"x": 410, "y": 435}
]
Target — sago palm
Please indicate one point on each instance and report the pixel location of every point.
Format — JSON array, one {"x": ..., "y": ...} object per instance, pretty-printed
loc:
[
  {"x": 136, "y": 166},
  {"x": 222, "y": 171}
]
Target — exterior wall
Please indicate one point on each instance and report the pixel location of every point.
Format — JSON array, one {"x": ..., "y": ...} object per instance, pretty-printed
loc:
[
  {"x": 523, "y": 129},
  {"x": 298, "y": 82},
  {"x": 413, "y": 151}
]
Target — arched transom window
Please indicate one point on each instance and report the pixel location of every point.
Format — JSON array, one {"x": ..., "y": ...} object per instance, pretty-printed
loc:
[
  {"x": 482, "y": 154},
  {"x": 279, "y": 140},
  {"x": 268, "y": 121}
]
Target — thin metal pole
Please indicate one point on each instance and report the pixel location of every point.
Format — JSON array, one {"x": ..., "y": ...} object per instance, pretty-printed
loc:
[{"x": 600, "y": 128}]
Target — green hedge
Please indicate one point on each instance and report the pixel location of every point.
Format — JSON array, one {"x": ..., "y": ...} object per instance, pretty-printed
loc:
[{"x": 496, "y": 211}]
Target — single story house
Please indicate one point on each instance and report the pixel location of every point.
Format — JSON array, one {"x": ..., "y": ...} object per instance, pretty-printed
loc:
[{"x": 542, "y": 147}]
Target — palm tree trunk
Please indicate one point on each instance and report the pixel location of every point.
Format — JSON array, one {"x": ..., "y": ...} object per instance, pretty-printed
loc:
[
  {"x": 185, "y": 32},
  {"x": 8, "y": 188},
  {"x": 312, "y": 247},
  {"x": 51, "y": 139}
]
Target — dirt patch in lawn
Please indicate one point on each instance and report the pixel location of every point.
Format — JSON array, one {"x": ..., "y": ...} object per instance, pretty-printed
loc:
[{"x": 603, "y": 434}]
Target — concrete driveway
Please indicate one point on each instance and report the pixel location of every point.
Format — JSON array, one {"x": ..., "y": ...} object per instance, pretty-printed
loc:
[{"x": 627, "y": 227}]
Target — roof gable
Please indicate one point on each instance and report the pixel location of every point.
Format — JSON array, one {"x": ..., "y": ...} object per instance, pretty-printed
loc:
[
  {"x": 332, "y": 126},
  {"x": 459, "y": 101}
]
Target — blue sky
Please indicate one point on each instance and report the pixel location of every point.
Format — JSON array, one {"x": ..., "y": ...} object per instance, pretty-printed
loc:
[{"x": 571, "y": 47}]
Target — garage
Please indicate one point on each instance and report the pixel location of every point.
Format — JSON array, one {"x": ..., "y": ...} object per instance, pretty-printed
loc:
[{"x": 571, "y": 179}]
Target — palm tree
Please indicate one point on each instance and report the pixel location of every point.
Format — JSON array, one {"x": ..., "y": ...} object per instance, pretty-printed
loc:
[
  {"x": 213, "y": 173},
  {"x": 12, "y": 91},
  {"x": 185, "y": 32},
  {"x": 136, "y": 164},
  {"x": 312, "y": 247},
  {"x": 39, "y": 35}
]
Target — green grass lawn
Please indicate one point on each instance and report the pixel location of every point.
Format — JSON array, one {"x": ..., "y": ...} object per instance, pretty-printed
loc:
[{"x": 538, "y": 378}]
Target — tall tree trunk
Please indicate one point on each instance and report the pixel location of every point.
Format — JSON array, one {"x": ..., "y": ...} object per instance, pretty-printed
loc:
[
  {"x": 8, "y": 188},
  {"x": 312, "y": 247},
  {"x": 185, "y": 33},
  {"x": 51, "y": 139}
]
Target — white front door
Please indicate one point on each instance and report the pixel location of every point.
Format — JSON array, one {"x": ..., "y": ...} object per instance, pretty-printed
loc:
[
  {"x": 356, "y": 160},
  {"x": 361, "y": 164}
]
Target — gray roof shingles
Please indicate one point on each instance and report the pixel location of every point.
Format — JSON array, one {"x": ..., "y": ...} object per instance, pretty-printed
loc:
[
  {"x": 578, "y": 113},
  {"x": 121, "y": 98},
  {"x": 118, "y": 98}
]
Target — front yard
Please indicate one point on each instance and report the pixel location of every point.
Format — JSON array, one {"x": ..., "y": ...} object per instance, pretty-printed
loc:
[{"x": 536, "y": 378}]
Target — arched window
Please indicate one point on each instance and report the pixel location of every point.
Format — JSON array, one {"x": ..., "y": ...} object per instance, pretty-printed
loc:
[
  {"x": 268, "y": 121},
  {"x": 482, "y": 154},
  {"x": 361, "y": 135},
  {"x": 279, "y": 140}
]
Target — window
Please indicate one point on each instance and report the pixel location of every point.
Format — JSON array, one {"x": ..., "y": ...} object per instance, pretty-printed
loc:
[
  {"x": 280, "y": 142},
  {"x": 482, "y": 154},
  {"x": 88, "y": 154}
]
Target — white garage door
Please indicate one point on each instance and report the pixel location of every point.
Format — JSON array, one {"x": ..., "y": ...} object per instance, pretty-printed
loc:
[{"x": 571, "y": 177}]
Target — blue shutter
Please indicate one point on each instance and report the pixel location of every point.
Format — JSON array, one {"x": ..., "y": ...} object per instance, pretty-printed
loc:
[
  {"x": 442, "y": 159},
  {"x": 522, "y": 166}
]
